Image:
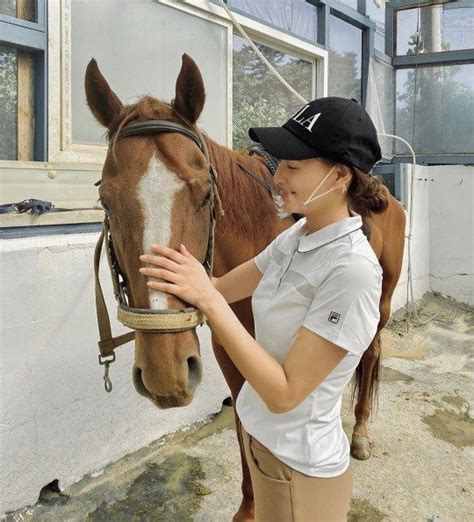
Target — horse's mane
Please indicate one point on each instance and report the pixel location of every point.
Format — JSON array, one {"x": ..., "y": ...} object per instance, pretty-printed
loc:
[
  {"x": 246, "y": 202},
  {"x": 236, "y": 188}
]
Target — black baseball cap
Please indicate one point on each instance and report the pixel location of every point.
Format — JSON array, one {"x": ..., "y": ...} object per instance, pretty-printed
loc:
[{"x": 332, "y": 127}]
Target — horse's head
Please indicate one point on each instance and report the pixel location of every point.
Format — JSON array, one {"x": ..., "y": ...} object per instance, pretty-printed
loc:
[{"x": 155, "y": 189}]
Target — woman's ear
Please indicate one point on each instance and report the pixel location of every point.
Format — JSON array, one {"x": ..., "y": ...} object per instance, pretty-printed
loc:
[{"x": 344, "y": 176}]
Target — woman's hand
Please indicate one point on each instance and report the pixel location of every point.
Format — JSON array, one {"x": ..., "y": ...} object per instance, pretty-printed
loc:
[{"x": 188, "y": 279}]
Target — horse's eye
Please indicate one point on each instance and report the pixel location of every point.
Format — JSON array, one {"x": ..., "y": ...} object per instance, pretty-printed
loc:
[
  {"x": 104, "y": 206},
  {"x": 206, "y": 199}
]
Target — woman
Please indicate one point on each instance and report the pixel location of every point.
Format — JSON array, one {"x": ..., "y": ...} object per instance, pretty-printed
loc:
[{"x": 316, "y": 291}]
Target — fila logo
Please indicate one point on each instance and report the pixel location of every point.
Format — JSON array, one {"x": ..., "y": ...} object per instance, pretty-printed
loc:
[
  {"x": 306, "y": 120},
  {"x": 334, "y": 317}
]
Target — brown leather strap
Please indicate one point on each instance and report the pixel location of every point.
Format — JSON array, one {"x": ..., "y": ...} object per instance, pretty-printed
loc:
[
  {"x": 139, "y": 128},
  {"x": 107, "y": 343}
]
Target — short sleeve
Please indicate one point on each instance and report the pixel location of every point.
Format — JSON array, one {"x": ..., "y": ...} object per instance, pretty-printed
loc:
[
  {"x": 262, "y": 260},
  {"x": 345, "y": 307}
]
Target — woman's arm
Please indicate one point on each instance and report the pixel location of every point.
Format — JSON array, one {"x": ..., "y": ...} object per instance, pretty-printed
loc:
[
  {"x": 263, "y": 372},
  {"x": 238, "y": 283}
]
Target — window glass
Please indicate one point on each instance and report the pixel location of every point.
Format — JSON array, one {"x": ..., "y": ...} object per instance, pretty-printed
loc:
[
  {"x": 444, "y": 27},
  {"x": 377, "y": 14},
  {"x": 259, "y": 98},
  {"x": 17, "y": 116},
  {"x": 443, "y": 109},
  {"x": 8, "y": 102},
  {"x": 350, "y": 3},
  {"x": 297, "y": 17},
  {"x": 345, "y": 59},
  {"x": 24, "y": 9},
  {"x": 380, "y": 102},
  {"x": 147, "y": 61},
  {"x": 379, "y": 40}
]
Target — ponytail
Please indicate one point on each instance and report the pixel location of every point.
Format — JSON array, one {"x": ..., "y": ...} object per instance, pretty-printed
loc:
[{"x": 366, "y": 193}]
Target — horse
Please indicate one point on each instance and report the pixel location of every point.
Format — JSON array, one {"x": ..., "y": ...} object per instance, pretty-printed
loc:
[{"x": 153, "y": 187}]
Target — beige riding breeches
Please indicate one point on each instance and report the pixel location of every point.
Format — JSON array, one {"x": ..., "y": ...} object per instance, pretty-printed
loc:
[{"x": 283, "y": 494}]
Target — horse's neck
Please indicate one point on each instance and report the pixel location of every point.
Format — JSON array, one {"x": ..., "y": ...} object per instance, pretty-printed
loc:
[
  {"x": 227, "y": 160},
  {"x": 239, "y": 192},
  {"x": 250, "y": 217}
]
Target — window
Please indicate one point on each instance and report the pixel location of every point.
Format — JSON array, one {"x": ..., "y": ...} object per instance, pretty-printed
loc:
[
  {"x": 23, "y": 9},
  {"x": 380, "y": 103},
  {"x": 22, "y": 80},
  {"x": 442, "y": 105},
  {"x": 9, "y": 102},
  {"x": 296, "y": 17},
  {"x": 259, "y": 99},
  {"x": 377, "y": 14},
  {"x": 17, "y": 118},
  {"x": 435, "y": 80},
  {"x": 443, "y": 27},
  {"x": 350, "y": 3},
  {"x": 145, "y": 61},
  {"x": 345, "y": 59}
]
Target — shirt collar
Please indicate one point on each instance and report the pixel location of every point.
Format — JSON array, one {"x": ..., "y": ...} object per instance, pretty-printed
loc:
[{"x": 328, "y": 233}]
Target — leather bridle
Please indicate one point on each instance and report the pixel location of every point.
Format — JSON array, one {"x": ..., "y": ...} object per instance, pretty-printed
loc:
[{"x": 159, "y": 321}]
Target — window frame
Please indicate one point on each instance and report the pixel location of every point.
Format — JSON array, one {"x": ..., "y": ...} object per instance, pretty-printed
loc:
[
  {"x": 268, "y": 35},
  {"x": 318, "y": 80},
  {"x": 460, "y": 57}
]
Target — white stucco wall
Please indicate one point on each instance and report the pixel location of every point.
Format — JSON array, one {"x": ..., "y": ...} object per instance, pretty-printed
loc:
[
  {"x": 451, "y": 221},
  {"x": 442, "y": 245},
  {"x": 442, "y": 238},
  {"x": 57, "y": 421}
]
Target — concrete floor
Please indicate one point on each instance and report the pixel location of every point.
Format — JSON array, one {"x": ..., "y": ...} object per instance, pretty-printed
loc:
[{"x": 422, "y": 439}]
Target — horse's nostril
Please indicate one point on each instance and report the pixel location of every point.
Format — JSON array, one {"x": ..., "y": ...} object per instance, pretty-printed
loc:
[
  {"x": 138, "y": 382},
  {"x": 194, "y": 372}
]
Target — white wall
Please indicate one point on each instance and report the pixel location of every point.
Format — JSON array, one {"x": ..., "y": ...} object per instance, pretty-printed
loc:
[
  {"x": 451, "y": 219},
  {"x": 57, "y": 421},
  {"x": 442, "y": 245}
]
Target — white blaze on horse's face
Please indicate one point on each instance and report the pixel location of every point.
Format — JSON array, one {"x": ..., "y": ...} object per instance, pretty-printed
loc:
[{"x": 156, "y": 192}]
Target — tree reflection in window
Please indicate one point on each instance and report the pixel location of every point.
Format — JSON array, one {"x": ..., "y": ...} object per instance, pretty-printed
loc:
[
  {"x": 259, "y": 99},
  {"x": 8, "y": 103}
]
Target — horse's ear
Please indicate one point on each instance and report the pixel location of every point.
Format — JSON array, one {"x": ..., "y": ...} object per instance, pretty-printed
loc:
[
  {"x": 190, "y": 94},
  {"x": 103, "y": 102}
]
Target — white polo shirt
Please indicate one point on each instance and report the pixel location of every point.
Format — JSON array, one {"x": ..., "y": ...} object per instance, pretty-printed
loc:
[{"x": 329, "y": 281}]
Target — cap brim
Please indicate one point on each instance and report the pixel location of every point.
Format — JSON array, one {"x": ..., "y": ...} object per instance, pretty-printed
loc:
[{"x": 281, "y": 143}]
